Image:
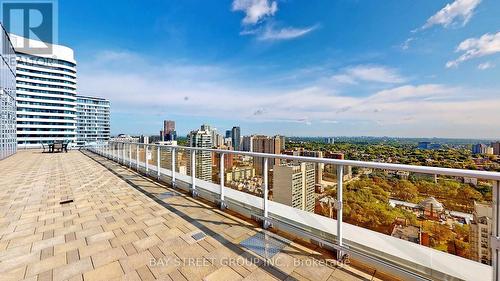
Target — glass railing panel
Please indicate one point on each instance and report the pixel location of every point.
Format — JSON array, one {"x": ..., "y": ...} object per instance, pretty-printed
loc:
[
  {"x": 182, "y": 162},
  {"x": 142, "y": 155},
  {"x": 152, "y": 157},
  {"x": 216, "y": 171},
  {"x": 442, "y": 213},
  {"x": 166, "y": 159},
  {"x": 133, "y": 148}
]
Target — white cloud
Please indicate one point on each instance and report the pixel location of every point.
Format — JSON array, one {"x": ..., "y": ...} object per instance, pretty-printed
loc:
[
  {"x": 411, "y": 92},
  {"x": 269, "y": 33},
  {"x": 255, "y": 10},
  {"x": 326, "y": 121},
  {"x": 471, "y": 48},
  {"x": 344, "y": 79},
  {"x": 137, "y": 86},
  {"x": 485, "y": 65},
  {"x": 457, "y": 13},
  {"x": 369, "y": 73},
  {"x": 406, "y": 43}
]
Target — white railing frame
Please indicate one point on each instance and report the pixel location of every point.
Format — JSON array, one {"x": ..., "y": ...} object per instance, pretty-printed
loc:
[{"x": 110, "y": 152}]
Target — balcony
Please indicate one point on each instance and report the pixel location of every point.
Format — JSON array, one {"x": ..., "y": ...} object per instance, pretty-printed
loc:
[
  {"x": 108, "y": 213},
  {"x": 80, "y": 216}
]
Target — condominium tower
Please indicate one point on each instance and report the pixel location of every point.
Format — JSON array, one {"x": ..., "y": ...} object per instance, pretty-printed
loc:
[
  {"x": 293, "y": 185},
  {"x": 202, "y": 138},
  {"x": 236, "y": 137},
  {"x": 169, "y": 133},
  {"x": 46, "y": 94},
  {"x": 247, "y": 143},
  {"x": 265, "y": 144},
  {"x": 479, "y": 148},
  {"x": 8, "y": 142},
  {"x": 496, "y": 147},
  {"x": 92, "y": 116}
]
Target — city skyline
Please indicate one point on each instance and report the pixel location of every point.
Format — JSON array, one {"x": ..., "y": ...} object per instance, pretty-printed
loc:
[{"x": 342, "y": 68}]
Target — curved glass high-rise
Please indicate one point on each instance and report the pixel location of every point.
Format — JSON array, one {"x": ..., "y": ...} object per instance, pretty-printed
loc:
[{"x": 46, "y": 96}]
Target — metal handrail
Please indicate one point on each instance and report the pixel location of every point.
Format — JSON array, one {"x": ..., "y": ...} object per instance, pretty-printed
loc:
[{"x": 354, "y": 163}]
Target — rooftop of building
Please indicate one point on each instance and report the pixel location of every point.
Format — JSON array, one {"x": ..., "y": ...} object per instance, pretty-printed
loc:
[
  {"x": 79, "y": 216},
  {"x": 56, "y": 51}
]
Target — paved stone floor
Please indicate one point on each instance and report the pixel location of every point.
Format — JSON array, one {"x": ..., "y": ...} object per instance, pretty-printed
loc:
[{"x": 115, "y": 229}]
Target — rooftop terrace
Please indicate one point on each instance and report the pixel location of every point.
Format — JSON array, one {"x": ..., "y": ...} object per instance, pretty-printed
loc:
[{"x": 79, "y": 216}]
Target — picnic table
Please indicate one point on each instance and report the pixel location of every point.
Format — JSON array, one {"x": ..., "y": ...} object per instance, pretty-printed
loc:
[{"x": 55, "y": 147}]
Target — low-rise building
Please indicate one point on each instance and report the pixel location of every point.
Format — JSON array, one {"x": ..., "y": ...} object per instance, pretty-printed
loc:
[
  {"x": 239, "y": 173},
  {"x": 124, "y": 138},
  {"x": 409, "y": 233},
  {"x": 480, "y": 233}
]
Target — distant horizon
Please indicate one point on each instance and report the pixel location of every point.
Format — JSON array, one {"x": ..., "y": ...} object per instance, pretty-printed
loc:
[{"x": 340, "y": 136}]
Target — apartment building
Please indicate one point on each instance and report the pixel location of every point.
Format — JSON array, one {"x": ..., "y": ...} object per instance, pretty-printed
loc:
[
  {"x": 236, "y": 137},
  {"x": 46, "y": 94},
  {"x": 496, "y": 147},
  {"x": 293, "y": 185},
  {"x": 93, "y": 120},
  {"x": 265, "y": 144},
  {"x": 202, "y": 138}
]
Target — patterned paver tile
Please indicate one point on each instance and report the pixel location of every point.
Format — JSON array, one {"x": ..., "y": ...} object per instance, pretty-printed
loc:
[{"x": 112, "y": 230}]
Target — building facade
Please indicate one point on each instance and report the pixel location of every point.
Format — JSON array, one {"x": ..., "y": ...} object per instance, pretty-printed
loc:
[
  {"x": 319, "y": 167},
  {"x": 203, "y": 166},
  {"x": 46, "y": 95},
  {"x": 479, "y": 148},
  {"x": 496, "y": 147},
  {"x": 247, "y": 143},
  {"x": 92, "y": 120},
  {"x": 236, "y": 137},
  {"x": 293, "y": 185},
  {"x": 480, "y": 233},
  {"x": 265, "y": 144},
  {"x": 8, "y": 140},
  {"x": 168, "y": 133}
]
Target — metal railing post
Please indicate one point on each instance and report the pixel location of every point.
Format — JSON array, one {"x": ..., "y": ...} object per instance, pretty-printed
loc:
[
  {"x": 193, "y": 173},
  {"x": 146, "y": 158},
  {"x": 340, "y": 179},
  {"x": 137, "y": 157},
  {"x": 130, "y": 156},
  {"x": 221, "y": 171},
  {"x": 123, "y": 153},
  {"x": 266, "y": 222},
  {"x": 158, "y": 167},
  {"x": 495, "y": 232},
  {"x": 173, "y": 167}
]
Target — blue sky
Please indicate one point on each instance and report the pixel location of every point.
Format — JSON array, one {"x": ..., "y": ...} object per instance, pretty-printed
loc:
[{"x": 344, "y": 67}]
